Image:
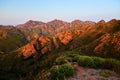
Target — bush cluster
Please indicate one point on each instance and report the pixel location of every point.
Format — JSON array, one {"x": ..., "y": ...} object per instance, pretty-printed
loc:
[
  {"x": 64, "y": 69},
  {"x": 61, "y": 71},
  {"x": 93, "y": 62},
  {"x": 86, "y": 61},
  {"x": 96, "y": 62}
]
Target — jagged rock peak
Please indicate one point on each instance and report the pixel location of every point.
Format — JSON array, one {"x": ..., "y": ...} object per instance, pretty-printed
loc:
[
  {"x": 77, "y": 20},
  {"x": 30, "y": 23},
  {"x": 101, "y": 21}
]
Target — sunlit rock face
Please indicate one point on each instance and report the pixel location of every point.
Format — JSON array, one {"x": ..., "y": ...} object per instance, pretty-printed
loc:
[
  {"x": 30, "y": 49},
  {"x": 41, "y": 44},
  {"x": 56, "y": 43},
  {"x": 65, "y": 37},
  {"x": 108, "y": 45},
  {"x": 44, "y": 44}
]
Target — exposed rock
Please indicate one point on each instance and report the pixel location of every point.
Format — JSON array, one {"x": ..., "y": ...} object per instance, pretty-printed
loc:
[
  {"x": 109, "y": 45},
  {"x": 44, "y": 50},
  {"x": 65, "y": 37},
  {"x": 55, "y": 42},
  {"x": 101, "y": 21},
  {"x": 44, "y": 40},
  {"x": 104, "y": 40},
  {"x": 41, "y": 44},
  {"x": 28, "y": 50}
]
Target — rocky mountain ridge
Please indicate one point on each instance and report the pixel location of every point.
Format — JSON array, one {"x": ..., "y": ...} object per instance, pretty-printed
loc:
[{"x": 28, "y": 51}]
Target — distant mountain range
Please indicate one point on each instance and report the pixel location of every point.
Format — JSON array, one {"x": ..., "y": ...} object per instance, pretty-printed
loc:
[
  {"x": 38, "y": 40},
  {"x": 14, "y": 37}
]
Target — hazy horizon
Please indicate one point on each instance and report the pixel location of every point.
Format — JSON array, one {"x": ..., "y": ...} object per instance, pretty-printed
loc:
[{"x": 15, "y": 12}]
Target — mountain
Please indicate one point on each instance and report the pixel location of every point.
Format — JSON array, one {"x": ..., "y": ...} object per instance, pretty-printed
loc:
[
  {"x": 90, "y": 35},
  {"x": 36, "y": 47},
  {"x": 11, "y": 38},
  {"x": 27, "y": 28},
  {"x": 43, "y": 44},
  {"x": 77, "y": 24},
  {"x": 52, "y": 28},
  {"x": 30, "y": 23},
  {"x": 33, "y": 28}
]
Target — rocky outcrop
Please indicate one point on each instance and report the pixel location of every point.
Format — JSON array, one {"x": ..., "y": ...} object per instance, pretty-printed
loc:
[
  {"x": 109, "y": 41},
  {"x": 65, "y": 37},
  {"x": 55, "y": 42},
  {"x": 28, "y": 50},
  {"x": 45, "y": 43},
  {"x": 104, "y": 40},
  {"x": 41, "y": 44}
]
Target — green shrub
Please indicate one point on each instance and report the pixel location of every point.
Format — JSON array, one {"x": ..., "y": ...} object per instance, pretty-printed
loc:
[
  {"x": 54, "y": 72},
  {"x": 93, "y": 62},
  {"x": 61, "y": 60},
  {"x": 80, "y": 60},
  {"x": 112, "y": 64},
  {"x": 98, "y": 62},
  {"x": 88, "y": 62},
  {"x": 108, "y": 63},
  {"x": 72, "y": 55},
  {"x": 116, "y": 66},
  {"x": 67, "y": 69},
  {"x": 77, "y": 58},
  {"x": 105, "y": 73},
  {"x": 61, "y": 71},
  {"x": 84, "y": 61},
  {"x": 70, "y": 59}
]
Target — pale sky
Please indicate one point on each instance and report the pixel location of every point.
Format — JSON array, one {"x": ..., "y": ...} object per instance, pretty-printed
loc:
[{"x": 13, "y": 12}]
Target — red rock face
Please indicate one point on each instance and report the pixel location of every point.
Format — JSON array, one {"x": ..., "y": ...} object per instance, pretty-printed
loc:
[
  {"x": 115, "y": 41},
  {"x": 44, "y": 40},
  {"x": 55, "y": 42},
  {"x": 109, "y": 42},
  {"x": 104, "y": 40},
  {"x": 78, "y": 32},
  {"x": 42, "y": 44},
  {"x": 28, "y": 50},
  {"x": 65, "y": 37},
  {"x": 45, "y": 43},
  {"x": 45, "y": 49}
]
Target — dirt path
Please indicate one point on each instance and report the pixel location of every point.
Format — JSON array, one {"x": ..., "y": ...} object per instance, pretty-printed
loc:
[{"x": 82, "y": 73}]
